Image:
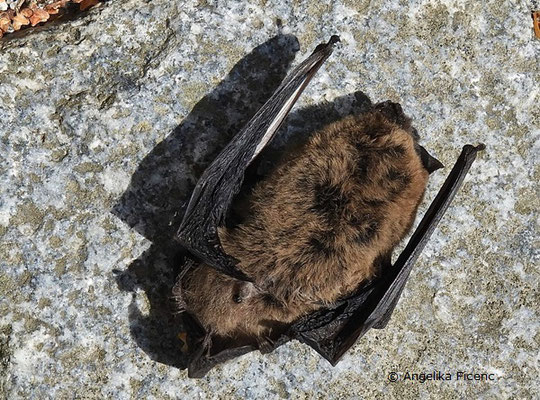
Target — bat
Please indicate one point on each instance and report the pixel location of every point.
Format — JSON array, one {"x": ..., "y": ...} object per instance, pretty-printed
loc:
[{"x": 309, "y": 257}]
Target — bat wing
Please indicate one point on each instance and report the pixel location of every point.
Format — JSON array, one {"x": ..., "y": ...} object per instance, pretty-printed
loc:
[
  {"x": 332, "y": 331},
  {"x": 222, "y": 180}
]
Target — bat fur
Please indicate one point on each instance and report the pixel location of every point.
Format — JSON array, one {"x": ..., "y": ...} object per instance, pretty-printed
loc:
[{"x": 314, "y": 227}]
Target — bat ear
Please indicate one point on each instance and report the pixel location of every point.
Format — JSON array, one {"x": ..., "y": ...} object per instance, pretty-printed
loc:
[
  {"x": 429, "y": 162},
  {"x": 244, "y": 290}
]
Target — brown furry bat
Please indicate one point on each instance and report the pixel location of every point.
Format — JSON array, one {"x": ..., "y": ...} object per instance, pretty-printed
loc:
[
  {"x": 315, "y": 227},
  {"x": 311, "y": 258}
]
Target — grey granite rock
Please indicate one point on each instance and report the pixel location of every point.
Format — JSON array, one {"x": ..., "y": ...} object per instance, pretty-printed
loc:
[{"x": 107, "y": 120}]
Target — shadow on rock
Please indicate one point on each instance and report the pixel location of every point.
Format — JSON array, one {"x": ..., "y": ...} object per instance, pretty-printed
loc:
[
  {"x": 155, "y": 200},
  {"x": 160, "y": 188}
]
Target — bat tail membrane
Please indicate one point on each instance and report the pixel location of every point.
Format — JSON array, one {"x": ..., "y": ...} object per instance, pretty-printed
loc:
[
  {"x": 222, "y": 180},
  {"x": 373, "y": 304}
]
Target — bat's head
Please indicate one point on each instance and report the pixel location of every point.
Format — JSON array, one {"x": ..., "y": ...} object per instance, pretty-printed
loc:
[
  {"x": 393, "y": 112},
  {"x": 226, "y": 312}
]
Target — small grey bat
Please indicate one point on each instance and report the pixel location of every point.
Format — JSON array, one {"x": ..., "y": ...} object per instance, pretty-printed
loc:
[{"x": 311, "y": 257}]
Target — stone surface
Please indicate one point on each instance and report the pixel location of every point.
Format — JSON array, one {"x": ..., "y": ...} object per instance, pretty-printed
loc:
[{"x": 107, "y": 120}]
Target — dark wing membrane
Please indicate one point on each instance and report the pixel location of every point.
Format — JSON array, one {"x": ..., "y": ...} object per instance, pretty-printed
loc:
[
  {"x": 222, "y": 180},
  {"x": 331, "y": 332}
]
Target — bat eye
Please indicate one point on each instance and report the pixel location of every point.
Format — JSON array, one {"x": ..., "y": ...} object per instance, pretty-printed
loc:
[{"x": 237, "y": 299}]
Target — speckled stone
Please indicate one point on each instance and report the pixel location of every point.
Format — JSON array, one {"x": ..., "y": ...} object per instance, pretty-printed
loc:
[{"x": 107, "y": 120}]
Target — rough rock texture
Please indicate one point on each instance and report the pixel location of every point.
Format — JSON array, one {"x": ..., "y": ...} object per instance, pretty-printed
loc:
[{"x": 106, "y": 121}]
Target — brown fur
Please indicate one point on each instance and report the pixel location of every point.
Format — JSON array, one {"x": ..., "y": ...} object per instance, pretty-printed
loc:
[{"x": 314, "y": 228}]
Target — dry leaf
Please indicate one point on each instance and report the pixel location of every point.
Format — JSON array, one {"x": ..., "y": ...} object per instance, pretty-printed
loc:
[
  {"x": 536, "y": 23},
  {"x": 53, "y": 8},
  {"x": 4, "y": 22},
  {"x": 19, "y": 20},
  {"x": 19, "y": 5},
  {"x": 87, "y": 4},
  {"x": 26, "y": 12},
  {"x": 38, "y": 16}
]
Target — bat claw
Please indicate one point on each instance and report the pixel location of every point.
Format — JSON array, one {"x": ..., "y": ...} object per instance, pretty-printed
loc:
[
  {"x": 334, "y": 39},
  {"x": 480, "y": 147}
]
